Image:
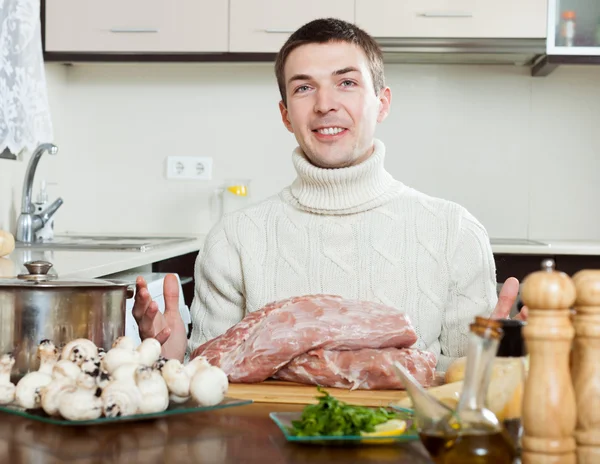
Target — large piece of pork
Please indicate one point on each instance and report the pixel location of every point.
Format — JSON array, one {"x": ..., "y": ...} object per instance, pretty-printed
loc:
[
  {"x": 266, "y": 340},
  {"x": 365, "y": 369}
]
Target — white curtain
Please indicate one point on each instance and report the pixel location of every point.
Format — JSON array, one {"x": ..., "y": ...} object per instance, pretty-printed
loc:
[{"x": 24, "y": 113}]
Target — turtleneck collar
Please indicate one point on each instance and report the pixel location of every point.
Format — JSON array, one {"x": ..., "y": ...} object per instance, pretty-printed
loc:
[{"x": 341, "y": 190}]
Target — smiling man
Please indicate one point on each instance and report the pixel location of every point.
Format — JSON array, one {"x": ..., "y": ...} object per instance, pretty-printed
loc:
[{"x": 345, "y": 226}]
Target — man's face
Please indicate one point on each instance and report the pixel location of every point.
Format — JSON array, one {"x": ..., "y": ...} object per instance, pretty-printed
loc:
[{"x": 332, "y": 108}]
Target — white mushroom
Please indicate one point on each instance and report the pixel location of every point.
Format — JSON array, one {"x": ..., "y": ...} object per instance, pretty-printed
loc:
[
  {"x": 27, "y": 394},
  {"x": 91, "y": 366},
  {"x": 125, "y": 372},
  {"x": 65, "y": 369},
  {"x": 79, "y": 350},
  {"x": 209, "y": 386},
  {"x": 155, "y": 394},
  {"x": 199, "y": 362},
  {"x": 116, "y": 357},
  {"x": 149, "y": 351},
  {"x": 160, "y": 362},
  {"x": 176, "y": 378},
  {"x": 82, "y": 403},
  {"x": 178, "y": 399},
  {"x": 7, "y": 388},
  {"x": 124, "y": 342},
  {"x": 52, "y": 393},
  {"x": 48, "y": 355},
  {"x": 120, "y": 398}
]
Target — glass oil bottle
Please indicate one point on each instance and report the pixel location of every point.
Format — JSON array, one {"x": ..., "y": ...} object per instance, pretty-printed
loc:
[{"x": 471, "y": 434}]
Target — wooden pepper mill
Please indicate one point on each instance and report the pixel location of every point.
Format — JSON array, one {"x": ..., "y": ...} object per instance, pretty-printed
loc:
[
  {"x": 549, "y": 413},
  {"x": 585, "y": 369}
]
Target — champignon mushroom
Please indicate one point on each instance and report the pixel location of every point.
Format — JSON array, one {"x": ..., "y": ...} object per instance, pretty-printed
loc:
[
  {"x": 120, "y": 398},
  {"x": 65, "y": 369},
  {"x": 82, "y": 403},
  {"x": 7, "y": 388},
  {"x": 117, "y": 356},
  {"x": 27, "y": 393},
  {"x": 160, "y": 363},
  {"x": 149, "y": 351},
  {"x": 199, "y": 362},
  {"x": 50, "y": 394},
  {"x": 176, "y": 378},
  {"x": 155, "y": 394},
  {"x": 209, "y": 386},
  {"x": 79, "y": 350},
  {"x": 125, "y": 372},
  {"x": 124, "y": 342}
]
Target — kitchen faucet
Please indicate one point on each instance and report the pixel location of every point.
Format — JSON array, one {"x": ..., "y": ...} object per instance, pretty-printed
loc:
[{"x": 29, "y": 222}]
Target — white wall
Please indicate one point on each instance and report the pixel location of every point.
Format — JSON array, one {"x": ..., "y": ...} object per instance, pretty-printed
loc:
[{"x": 521, "y": 153}]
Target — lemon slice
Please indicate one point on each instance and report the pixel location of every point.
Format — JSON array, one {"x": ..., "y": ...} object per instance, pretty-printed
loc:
[{"x": 392, "y": 427}]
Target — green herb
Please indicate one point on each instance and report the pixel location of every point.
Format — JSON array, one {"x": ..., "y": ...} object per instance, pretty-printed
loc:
[{"x": 332, "y": 417}]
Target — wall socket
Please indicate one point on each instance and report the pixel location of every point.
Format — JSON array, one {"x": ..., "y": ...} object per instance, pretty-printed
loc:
[{"x": 189, "y": 167}]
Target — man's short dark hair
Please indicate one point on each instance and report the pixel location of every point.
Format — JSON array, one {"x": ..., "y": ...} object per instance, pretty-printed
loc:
[{"x": 331, "y": 30}]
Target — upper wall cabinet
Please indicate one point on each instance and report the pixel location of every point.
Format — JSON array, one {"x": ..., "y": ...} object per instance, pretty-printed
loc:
[
  {"x": 453, "y": 18},
  {"x": 265, "y": 25},
  {"x": 136, "y": 26}
]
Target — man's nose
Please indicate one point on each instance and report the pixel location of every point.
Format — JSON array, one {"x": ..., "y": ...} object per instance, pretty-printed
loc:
[{"x": 326, "y": 101}]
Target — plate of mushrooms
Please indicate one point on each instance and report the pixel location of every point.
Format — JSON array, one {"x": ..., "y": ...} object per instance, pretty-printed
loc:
[{"x": 81, "y": 384}]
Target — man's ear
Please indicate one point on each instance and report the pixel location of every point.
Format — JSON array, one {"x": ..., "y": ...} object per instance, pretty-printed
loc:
[
  {"x": 385, "y": 101},
  {"x": 284, "y": 117}
]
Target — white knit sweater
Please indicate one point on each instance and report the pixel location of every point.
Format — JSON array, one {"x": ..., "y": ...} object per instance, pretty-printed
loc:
[{"x": 358, "y": 233}]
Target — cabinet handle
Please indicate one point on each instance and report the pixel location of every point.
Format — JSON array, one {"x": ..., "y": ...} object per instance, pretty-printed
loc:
[
  {"x": 134, "y": 30},
  {"x": 446, "y": 14},
  {"x": 278, "y": 31}
]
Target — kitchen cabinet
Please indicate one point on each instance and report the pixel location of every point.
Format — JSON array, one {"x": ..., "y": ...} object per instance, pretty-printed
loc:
[
  {"x": 574, "y": 28},
  {"x": 136, "y": 26},
  {"x": 453, "y": 19},
  {"x": 265, "y": 25}
]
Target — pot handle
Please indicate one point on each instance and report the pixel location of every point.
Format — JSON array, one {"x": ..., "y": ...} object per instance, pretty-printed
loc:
[{"x": 130, "y": 291}]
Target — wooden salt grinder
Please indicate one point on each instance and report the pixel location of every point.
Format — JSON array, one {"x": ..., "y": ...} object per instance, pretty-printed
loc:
[
  {"x": 548, "y": 398},
  {"x": 585, "y": 370}
]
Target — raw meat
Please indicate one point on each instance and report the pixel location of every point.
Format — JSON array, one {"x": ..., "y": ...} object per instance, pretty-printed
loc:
[
  {"x": 267, "y": 339},
  {"x": 366, "y": 369}
]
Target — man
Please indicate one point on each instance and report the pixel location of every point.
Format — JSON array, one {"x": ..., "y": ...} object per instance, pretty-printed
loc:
[{"x": 345, "y": 226}]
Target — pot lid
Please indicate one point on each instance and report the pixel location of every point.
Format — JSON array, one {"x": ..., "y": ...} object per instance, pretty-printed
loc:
[{"x": 38, "y": 276}]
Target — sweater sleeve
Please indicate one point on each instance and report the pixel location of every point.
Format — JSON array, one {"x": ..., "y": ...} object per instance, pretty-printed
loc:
[
  {"x": 219, "y": 301},
  {"x": 472, "y": 289}
]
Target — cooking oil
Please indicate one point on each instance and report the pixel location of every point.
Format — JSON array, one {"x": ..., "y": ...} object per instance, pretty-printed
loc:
[{"x": 471, "y": 447}]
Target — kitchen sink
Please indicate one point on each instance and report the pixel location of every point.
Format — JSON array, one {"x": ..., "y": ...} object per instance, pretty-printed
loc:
[{"x": 104, "y": 242}]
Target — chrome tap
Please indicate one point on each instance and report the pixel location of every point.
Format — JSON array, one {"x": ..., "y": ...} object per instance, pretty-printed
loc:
[{"x": 29, "y": 222}]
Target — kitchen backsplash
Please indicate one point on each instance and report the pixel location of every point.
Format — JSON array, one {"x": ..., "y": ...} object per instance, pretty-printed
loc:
[{"x": 521, "y": 153}]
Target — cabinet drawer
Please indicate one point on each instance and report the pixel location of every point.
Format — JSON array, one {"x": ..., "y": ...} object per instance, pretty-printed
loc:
[
  {"x": 265, "y": 25},
  {"x": 136, "y": 26},
  {"x": 453, "y": 18}
]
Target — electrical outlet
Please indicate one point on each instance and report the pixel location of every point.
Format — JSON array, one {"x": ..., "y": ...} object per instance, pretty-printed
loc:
[{"x": 189, "y": 167}]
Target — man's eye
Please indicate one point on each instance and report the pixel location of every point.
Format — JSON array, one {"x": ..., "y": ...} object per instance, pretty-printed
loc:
[
  {"x": 302, "y": 88},
  {"x": 347, "y": 83}
]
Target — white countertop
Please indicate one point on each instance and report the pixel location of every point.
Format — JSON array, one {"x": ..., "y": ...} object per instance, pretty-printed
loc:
[
  {"x": 86, "y": 264},
  {"x": 93, "y": 264},
  {"x": 546, "y": 247}
]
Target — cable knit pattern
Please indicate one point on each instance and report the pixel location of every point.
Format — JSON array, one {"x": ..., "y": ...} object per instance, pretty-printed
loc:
[{"x": 355, "y": 232}]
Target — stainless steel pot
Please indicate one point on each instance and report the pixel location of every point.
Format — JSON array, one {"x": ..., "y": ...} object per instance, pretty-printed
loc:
[{"x": 39, "y": 306}]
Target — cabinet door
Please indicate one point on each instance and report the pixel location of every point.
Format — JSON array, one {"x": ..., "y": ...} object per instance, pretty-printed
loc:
[
  {"x": 143, "y": 26},
  {"x": 574, "y": 27},
  {"x": 265, "y": 25},
  {"x": 453, "y": 18}
]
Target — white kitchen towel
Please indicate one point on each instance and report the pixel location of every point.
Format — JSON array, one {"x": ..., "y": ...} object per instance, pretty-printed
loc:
[{"x": 25, "y": 118}]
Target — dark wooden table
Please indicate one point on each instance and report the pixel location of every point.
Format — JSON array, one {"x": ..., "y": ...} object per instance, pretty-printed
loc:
[{"x": 235, "y": 435}]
